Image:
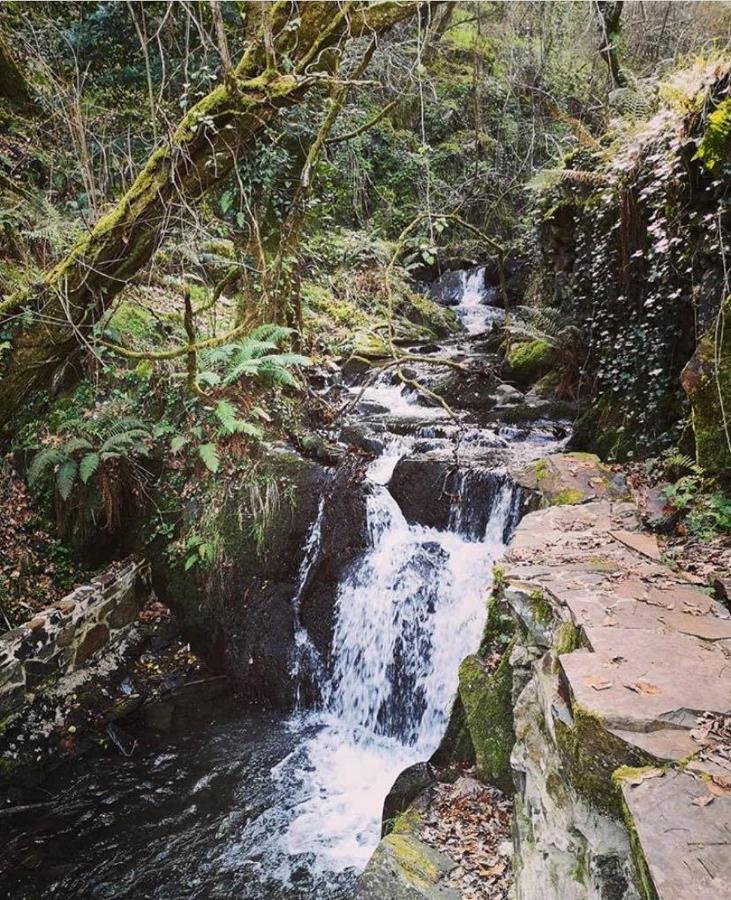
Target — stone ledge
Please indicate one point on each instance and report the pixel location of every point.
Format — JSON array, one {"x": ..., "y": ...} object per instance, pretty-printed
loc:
[{"x": 647, "y": 653}]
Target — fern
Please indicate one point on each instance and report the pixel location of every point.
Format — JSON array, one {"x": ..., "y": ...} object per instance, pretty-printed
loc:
[
  {"x": 209, "y": 454},
  {"x": 42, "y": 462},
  {"x": 88, "y": 465},
  {"x": 256, "y": 356},
  {"x": 66, "y": 477}
]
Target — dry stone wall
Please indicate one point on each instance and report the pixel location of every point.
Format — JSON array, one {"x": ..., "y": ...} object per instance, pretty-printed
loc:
[{"x": 68, "y": 635}]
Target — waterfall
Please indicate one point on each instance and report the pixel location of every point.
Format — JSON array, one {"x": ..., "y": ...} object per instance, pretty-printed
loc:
[
  {"x": 474, "y": 309},
  {"x": 406, "y": 615}
]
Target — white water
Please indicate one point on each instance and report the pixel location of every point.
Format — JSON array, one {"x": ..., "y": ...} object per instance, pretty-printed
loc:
[
  {"x": 409, "y": 613},
  {"x": 412, "y": 608},
  {"x": 474, "y": 310}
]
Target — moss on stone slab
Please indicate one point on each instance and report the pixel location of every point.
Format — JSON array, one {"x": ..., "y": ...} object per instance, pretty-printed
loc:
[
  {"x": 567, "y": 497},
  {"x": 643, "y": 880},
  {"x": 487, "y": 700},
  {"x": 591, "y": 756}
]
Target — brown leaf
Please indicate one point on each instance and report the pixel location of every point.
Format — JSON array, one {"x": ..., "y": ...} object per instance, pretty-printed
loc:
[
  {"x": 643, "y": 687},
  {"x": 704, "y": 801},
  {"x": 644, "y": 774},
  {"x": 597, "y": 682}
]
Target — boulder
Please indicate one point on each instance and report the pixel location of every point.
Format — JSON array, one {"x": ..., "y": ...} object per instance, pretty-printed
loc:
[
  {"x": 448, "y": 288},
  {"x": 413, "y": 781},
  {"x": 529, "y": 361},
  {"x": 405, "y": 868},
  {"x": 420, "y": 485}
]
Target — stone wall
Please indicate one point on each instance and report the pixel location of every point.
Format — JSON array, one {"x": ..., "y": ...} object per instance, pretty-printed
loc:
[{"x": 66, "y": 636}]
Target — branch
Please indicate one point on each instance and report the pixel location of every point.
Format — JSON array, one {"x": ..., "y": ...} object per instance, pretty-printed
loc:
[{"x": 356, "y": 131}]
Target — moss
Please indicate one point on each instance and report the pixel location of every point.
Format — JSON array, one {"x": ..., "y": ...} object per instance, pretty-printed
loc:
[
  {"x": 643, "y": 879},
  {"x": 541, "y": 608},
  {"x": 529, "y": 361},
  {"x": 487, "y": 699},
  {"x": 567, "y": 638},
  {"x": 591, "y": 755},
  {"x": 409, "y": 853},
  {"x": 406, "y": 822},
  {"x": 567, "y": 497}
]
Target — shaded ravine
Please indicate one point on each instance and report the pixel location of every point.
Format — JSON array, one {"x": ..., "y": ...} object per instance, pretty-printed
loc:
[{"x": 257, "y": 805}]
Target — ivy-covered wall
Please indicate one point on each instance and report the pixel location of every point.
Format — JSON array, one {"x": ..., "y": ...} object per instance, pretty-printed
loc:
[{"x": 632, "y": 239}]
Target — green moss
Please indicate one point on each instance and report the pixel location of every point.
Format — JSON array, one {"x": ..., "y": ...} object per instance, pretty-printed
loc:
[
  {"x": 567, "y": 638},
  {"x": 567, "y": 497},
  {"x": 529, "y": 361},
  {"x": 591, "y": 755},
  {"x": 406, "y": 822},
  {"x": 643, "y": 879},
  {"x": 541, "y": 608},
  {"x": 411, "y": 856},
  {"x": 488, "y": 705}
]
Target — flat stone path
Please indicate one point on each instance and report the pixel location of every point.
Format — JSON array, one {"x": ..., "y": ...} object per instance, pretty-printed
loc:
[{"x": 654, "y": 657}]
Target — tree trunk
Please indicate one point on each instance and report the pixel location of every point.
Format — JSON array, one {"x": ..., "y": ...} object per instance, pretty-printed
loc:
[
  {"x": 610, "y": 12},
  {"x": 200, "y": 153},
  {"x": 13, "y": 84}
]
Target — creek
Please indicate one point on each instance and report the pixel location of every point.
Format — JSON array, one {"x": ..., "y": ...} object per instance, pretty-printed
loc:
[{"x": 254, "y": 804}]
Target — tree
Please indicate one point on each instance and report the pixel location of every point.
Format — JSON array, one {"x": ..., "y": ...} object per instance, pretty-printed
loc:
[
  {"x": 290, "y": 48},
  {"x": 610, "y": 12}
]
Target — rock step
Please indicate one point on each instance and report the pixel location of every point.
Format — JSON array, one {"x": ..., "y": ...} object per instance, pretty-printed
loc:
[{"x": 636, "y": 655}]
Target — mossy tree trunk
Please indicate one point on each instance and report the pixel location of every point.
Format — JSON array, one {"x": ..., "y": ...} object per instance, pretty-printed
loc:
[{"x": 225, "y": 124}]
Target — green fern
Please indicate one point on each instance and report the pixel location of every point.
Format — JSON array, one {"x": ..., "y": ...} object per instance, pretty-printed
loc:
[
  {"x": 209, "y": 454},
  {"x": 256, "y": 356}
]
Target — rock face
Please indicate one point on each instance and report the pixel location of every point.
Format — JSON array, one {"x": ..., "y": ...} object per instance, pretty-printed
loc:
[
  {"x": 239, "y": 614},
  {"x": 623, "y": 658}
]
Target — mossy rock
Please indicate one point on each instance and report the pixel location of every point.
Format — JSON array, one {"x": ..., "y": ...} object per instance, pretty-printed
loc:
[
  {"x": 529, "y": 361},
  {"x": 488, "y": 706},
  {"x": 566, "y": 479},
  {"x": 707, "y": 382}
]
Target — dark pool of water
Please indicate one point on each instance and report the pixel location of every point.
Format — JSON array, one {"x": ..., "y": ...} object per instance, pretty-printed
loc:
[{"x": 192, "y": 818}]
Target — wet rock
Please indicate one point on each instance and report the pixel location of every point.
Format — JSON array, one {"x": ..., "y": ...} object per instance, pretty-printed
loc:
[
  {"x": 420, "y": 486},
  {"x": 405, "y": 868},
  {"x": 529, "y": 361},
  {"x": 343, "y": 537},
  {"x": 473, "y": 391},
  {"x": 448, "y": 289},
  {"x": 413, "y": 781},
  {"x": 364, "y": 437},
  {"x": 507, "y": 395}
]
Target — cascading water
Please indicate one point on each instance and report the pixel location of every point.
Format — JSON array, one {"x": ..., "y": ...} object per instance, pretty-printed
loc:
[
  {"x": 260, "y": 807},
  {"x": 406, "y": 616},
  {"x": 474, "y": 309}
]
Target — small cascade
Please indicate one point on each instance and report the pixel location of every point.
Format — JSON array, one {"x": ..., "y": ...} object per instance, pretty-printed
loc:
[
  {"x": 307, "y": 667},
  {"x": 474, "y": 308},
  {"x": 406, "y": 615},
  {"x": 484, "y": 500}
]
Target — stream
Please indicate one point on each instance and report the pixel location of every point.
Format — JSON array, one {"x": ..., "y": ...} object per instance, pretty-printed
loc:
[{"x": 254, "y": 804}]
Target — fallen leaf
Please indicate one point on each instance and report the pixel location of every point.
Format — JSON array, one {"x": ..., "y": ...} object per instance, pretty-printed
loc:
[
  {"x": 704, "y": 801},
  {"x": 643, "y": 775},
  {"x": 643, "y": 687},
  {"x": 597, "y": 682}
]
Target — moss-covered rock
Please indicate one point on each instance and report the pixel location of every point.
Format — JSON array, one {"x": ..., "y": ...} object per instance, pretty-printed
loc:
[
  {"x": 707, "y": 382},
  {"x": 486, "y": 698},
  {"x": 529, "y": 361}
]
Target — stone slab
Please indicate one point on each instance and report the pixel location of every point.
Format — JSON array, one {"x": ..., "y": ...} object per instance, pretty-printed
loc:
[{"x": 687, "y": 847}]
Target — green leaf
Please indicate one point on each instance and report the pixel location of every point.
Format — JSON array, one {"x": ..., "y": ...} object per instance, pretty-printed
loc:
[
  {"x": 66, "y": 477},
  {"x": 177, "y": 443},
  {"x": 42, "y": 463},
  {"x": 89, "y": 464},
  {"x": 209, "y": 454}
]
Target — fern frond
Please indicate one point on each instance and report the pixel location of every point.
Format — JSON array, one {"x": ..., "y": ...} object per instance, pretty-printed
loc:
[
  {"x": 66, "y": 478},
  {"x": 42, "y": 463}
]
